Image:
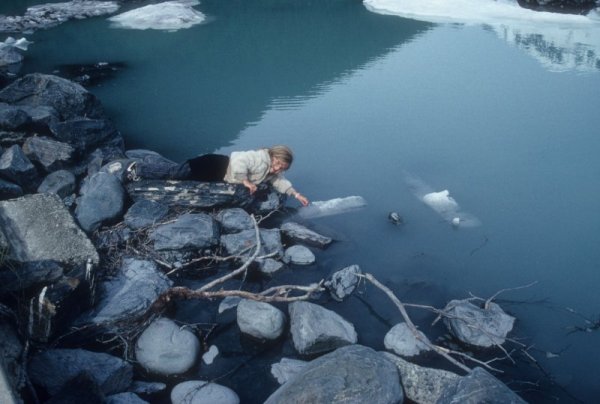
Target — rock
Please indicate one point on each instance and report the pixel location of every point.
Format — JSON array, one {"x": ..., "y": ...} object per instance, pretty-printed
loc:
[
  {"x": 560, "y": 6},
  {"x": 299, "y": 255},
  {"x": 234, "y": 220},
  {"x": 24, "y": 275},
  {"x": 53, "y": 368},
  {"x": 140, "y": 387},
  {"x": 167, "y": 349},
  {"x": 242, "y": 243},
  {"x": 42, "y": 116},
  {"x": 300, "y": 234},
  {"x": 402, "y": 341},
  {"x": 86, "y": 134},
  {"x": 51, "y": 154},
  {"x": 81, "y": 388},
  {"x": 124, "y": 398},
  {"x": 11, "y": 117},
  {"x": 11, "y": 351},
  {"x": 68, "y": 99},
  {"x": 477, "y": 326},
  {"x": 41, "y": 228},
  {"x": 9, "y": 56},
  {"x": 272, "y": 201},
  {"x": 229, "y": 302},
  {"x": 352, "y": 374},
  {"x": 210, "y": 355},
  {"x": 260, "y": 320},
  {"x": 479, "y": 387},
  {"x": 201, "y": 392},
  {"x": 145, "y": 213},
  {"x": 16, "y": 167},
  {"x": 61, "y": 183},
  {"x": 101, "y": 202},
  {"x": 8, "y": 190},
  {"x": 90, "y": 74},
  {"x": 189, "y": 232},
  {"x": 315, "y": 329},
  {"x": 269, "y": 266},
  {"x": 129, "y": 294},
  {"x": 421, "y": 384},
  {"x": 287, "y": 369},
  {"x": 343, "y": 282}
]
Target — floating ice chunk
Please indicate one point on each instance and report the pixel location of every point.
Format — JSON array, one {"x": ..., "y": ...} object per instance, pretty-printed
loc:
[
  {"x": 332, "y": 207},
  {"x": 441, "y": 202},
  {"x": 20, "y": 43},
  {"x": 169, "y": 16}
]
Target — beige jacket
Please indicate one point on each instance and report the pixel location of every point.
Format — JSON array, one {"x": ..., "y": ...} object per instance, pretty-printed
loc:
[{"x": 254, "y": 166}]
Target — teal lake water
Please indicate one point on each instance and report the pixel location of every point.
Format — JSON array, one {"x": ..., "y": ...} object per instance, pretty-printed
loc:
[{"x": 503, "y": 118}]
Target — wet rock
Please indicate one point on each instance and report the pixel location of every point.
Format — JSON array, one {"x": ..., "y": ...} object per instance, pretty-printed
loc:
[
  {"x": 260, "y": 320},
  {"x": 51, "y": 154},
  {"x": 234, "y": 220},
  {"x": 188, "y": 232},
  {"x": 300, "y": 234},
  {"x": 479, "y": 387},
  {"x": 60, "y": 182},
  {"x": 22, "y": 276},
  {"x": 269, "y": 266},
  {"x": 343, "y": 282},
  {"x": 229, "y": 302},
  {"x": 145, "y": 213},
  {"x": 42, "y": 116},
  {"x": 167, "y": 349},
  {"x": 8, "y": 190},
  {"x": 267, "y": 203},
  {"x": 101, "y": 202},
  {"x": 90, "y": 74},
  {"x": 315, "y": 329},
  {"x": 210, "y": 355},
  {"x": 477, "y": 326},
  {"x": 198, "y": 392},
  {"x": 129, "y": 294},
  {"x": 124, "y": 398},
  {"x": 82, "y": 388},
  {"x": 85, "y": 134},
  {"x": 421, "y": 384},
  {"x": 298, "y": 255},
  {"x": 68, "y": 99},
  {"x": 41, "y": 228},
  {"x": 242, "y": 243},
  {"x": 11, "y": 117},
  {"x": 16, "y": 167},
  {"x": 11, "y": 351},
  {"x": 286, "y": 369},
  {"x": 353, "y": 374},
  {"x": 402, "y": 341},
  {"x": 9, "y": 56},
  {"x": 53, "y": 368}
]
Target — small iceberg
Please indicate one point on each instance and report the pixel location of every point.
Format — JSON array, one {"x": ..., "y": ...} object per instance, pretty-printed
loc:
[
  {"x": 332, "y": 207},
  {"x": 442, "y": 203},
  {"x": 168, "y": 16},
  {"x": 20, "y": 43}
]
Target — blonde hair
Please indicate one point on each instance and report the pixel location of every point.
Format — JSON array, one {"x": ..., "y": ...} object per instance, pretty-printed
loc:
[{"x": 282, "y": 153}]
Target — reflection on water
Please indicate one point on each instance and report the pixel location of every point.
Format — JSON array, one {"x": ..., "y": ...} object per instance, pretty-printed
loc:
[{"x": 560, "y": 42}]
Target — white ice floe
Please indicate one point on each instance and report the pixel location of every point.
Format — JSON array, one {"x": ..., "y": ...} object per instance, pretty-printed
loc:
[
  {"x": 441, "y": 202},
  {"x": 20, "y": 43},
  {"x": 558, "y": 41},
  {"x": 332, "y": 207},
  {"x": 169, "y": 16}
]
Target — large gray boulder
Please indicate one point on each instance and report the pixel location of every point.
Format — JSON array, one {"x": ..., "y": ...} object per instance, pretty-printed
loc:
[
  {"x": 85, "y": 134},
  {"x": 53, "y": 368},
  {"x": 102, "y": 201},
  {"x": 234, "y": 220},
  {"x": 315, "y": 329},
  {"x": 352, "y": 374},
  {"x": 145, "y": 213},
  {"x": 301, "y": 234},
  {"x": 242, "y": 244},
  {"x": 189, "y": 232},
  {"x": 477, "y": 325},
  {"x": 49, "y": 153},
  {"x": 260, "y": 320},
  {"x": 68, "y": 99},
  {"x": 479, "y": 387},
  {"x": 167, "y": 349},
  {"x": 39, "y": 227}
]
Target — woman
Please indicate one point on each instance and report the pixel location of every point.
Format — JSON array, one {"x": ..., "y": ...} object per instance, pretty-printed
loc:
[{"x": 249, "y": 168}]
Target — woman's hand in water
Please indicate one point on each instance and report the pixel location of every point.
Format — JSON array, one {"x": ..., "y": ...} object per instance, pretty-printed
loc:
[
  {"x": 251, "y": 187},
  {"x": 301, "y": 198}
]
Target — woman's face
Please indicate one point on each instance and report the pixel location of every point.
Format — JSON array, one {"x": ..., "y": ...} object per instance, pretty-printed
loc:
[{"x": 278, "y": 166}]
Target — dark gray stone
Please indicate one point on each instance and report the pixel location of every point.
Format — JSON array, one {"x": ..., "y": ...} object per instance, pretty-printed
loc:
[
  {"x": 16, "y": 167},
  {"x": 51, "y": 154},
  {"x": 403, "y": 342},
  {"x": 145, "y": 213},
  {"x": 53, "y": 368},
  {"x": 479, "y": 387},
  {"x": 68, "y": 99},
  {"x": 8, "y": 190},
  {"x": 260, "y": 320},
  {"x": 343, "y": 282},
  {"x": 315, "y": 329},
  {"x": 61, "y": 183},
  {"x": 11, "y": 351},
  {"x": 269, "y": 266},
  {"x": 352, "y": 374},
  {"x": 234, "y": 220},
  {"x": 301, "y": 234},
  {"x": 22, "y": 276},
  {"x": 188, "y": 232},
  {"x": 286, "y": 369},
  {"x": 101, "y": 202},
  {"x": 42, "y": 116},
  {"x": 11, "y": 117},
  {"x": 80, "y": 389},
  {"x": 242, "y": 243},
  {"x": 86, "y": 134}
]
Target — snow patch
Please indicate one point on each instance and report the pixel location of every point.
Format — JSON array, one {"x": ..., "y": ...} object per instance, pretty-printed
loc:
[{"x": 168, "y": 16}]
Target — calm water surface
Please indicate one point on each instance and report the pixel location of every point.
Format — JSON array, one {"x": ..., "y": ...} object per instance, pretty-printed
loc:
[{"x": 363, "y": 99}]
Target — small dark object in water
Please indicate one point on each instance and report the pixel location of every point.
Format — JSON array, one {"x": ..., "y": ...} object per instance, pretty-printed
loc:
[
  {"x": 395, "y": 218},
  {"x": 89, "y": 75}
]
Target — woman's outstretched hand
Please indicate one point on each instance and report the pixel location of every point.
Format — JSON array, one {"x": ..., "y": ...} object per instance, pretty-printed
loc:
[{"x": 301, "y": 198}]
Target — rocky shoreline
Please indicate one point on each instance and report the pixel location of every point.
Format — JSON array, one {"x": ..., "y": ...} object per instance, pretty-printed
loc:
[{"x": 89, "y": 256}]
